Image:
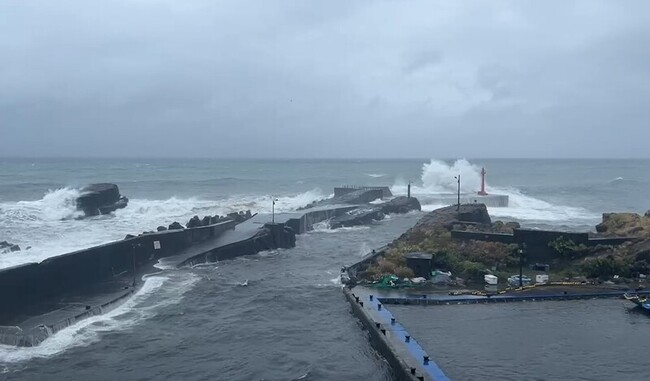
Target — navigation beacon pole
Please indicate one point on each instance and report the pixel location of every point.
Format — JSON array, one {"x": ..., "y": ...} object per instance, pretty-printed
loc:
[
  {"x": 408, "y": 192},
  {"x": 482, "y": 192}
]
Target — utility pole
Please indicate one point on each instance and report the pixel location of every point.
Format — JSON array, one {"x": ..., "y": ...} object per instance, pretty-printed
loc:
[{"x": 458, "y": 205}]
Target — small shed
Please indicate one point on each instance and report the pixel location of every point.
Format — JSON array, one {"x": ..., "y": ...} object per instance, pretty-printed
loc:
[{"x": 420, "y": 263}]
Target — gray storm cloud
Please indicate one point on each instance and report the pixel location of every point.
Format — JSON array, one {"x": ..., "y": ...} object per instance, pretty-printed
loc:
[{"x": 325, "y": 79}]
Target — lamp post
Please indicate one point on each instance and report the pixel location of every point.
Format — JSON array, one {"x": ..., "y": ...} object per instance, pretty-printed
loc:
[
  {"x": 273, "y": 210},
  {"x": 458, "y": 192},
  {"x": 522, "y": 251}
]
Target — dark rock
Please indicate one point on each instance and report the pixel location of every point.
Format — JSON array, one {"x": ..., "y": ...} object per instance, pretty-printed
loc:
[
  {"x": 194, "y": 222},
  {"x": 234, "y": 216},
  {"x": 161, "y": 228},
  {"x": 401, "y": 205},
  {"x": 101, "y": 198},
  {"x": 176, "y": 226},
  {"x": 129, "y": 236},
  {"x": 647, "y": 213},
  {"x": 206, "y": 221},
  {"x": 6, "y": 247},
  {"x": 601, "y": 228}
]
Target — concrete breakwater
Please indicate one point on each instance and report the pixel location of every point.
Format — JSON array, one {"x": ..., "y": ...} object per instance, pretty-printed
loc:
[{"x": 38, "y": 299}]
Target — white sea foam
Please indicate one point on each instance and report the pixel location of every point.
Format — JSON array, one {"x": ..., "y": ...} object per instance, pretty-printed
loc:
[
  {"x": 143, "y": 305},
  {"x": 438, "y": 178},
  {"x": 50, "y": 228},
  {"x": 376, "y": 175},
  {"x": 340, "y": 230},
  {"x": 55, "y": 205}
]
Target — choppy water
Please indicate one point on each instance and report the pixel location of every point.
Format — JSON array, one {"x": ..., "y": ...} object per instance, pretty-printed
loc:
[{"x": 291, "y": 321}]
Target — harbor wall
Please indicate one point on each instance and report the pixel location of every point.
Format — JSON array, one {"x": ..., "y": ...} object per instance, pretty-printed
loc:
[
  {"x": 481, "y": 236},
  {"x": 25, "y": 284}
]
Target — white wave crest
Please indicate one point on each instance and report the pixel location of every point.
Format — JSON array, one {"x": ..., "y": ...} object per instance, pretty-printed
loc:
[
  {"x": 438, "y": 176},
  {"x": 55, "y": 205},
  {"x": 526, "y": 208}
]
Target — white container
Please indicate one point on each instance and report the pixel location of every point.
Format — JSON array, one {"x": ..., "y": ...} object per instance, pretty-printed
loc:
[
  {"x": 541, "y": 279},
  {"x": 491, "y": 279}
]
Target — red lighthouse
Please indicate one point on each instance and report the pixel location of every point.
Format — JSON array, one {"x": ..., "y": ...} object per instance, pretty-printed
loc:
[{"x": 482, "y": 192}]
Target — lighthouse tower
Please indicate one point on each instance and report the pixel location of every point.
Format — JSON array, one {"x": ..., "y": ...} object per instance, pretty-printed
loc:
[{"x": 482, "y": 192}]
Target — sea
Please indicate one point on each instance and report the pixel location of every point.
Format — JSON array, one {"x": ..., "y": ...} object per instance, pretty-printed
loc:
[{"x": 276, "y": 315}]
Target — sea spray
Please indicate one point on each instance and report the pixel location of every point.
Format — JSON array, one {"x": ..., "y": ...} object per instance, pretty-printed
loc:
[
  {"x": 48, "y": 226},
  {"x": 438, "y": 178}
]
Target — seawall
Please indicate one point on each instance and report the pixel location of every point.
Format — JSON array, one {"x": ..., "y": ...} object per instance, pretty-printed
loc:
[{"x": 33, "y": 282}]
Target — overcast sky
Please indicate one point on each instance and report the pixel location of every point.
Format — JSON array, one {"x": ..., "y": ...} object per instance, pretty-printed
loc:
[{"x": 211, "y": 78}]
